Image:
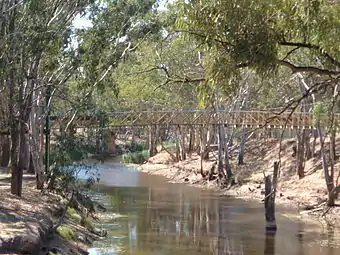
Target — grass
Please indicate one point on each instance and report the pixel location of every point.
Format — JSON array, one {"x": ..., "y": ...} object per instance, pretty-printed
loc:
[
  {"x": 140, "y": 152},
  {"x": 137, "y": 157},
  {"x": 73, "y": 214},
  {"x": 66, "y": 232},
  {"x": 87, "y": 223}
]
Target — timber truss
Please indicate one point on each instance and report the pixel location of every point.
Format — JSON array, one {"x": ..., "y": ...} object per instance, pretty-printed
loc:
[
  {"x": 252, "y": 119},
  {"x": 255, "y": 119}
]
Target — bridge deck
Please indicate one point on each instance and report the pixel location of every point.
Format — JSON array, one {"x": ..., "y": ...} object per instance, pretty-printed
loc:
[
  {"x": 240, "y": 118},
  {"x": 194, "y": 117}
]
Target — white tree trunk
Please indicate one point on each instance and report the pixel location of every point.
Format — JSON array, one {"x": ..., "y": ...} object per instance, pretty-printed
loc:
[{"x": 35, "y": 140}]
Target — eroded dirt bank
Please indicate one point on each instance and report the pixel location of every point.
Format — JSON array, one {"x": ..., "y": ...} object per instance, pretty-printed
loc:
[
  {"x": 307, "y": 195},
  {"x": 26, "y": 222}
]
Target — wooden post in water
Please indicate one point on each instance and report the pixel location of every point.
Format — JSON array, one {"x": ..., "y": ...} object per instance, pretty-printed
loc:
[{"x": 269, "y": 200}]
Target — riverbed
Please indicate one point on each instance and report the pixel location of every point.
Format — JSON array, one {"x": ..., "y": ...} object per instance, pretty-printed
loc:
[{"x": 147, "y": 215}]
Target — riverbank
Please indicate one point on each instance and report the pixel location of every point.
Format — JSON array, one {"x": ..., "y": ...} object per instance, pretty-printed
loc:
[
  {"x": 26, "y": 222},
  {"x": 307, "y": 195}
]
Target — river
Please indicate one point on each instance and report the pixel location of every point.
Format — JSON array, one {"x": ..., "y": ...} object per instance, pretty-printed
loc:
[{"x": 148, "y": 216}]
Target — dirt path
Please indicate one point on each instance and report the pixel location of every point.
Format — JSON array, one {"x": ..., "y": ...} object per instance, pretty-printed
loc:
[{"x": 303, "y": 194}]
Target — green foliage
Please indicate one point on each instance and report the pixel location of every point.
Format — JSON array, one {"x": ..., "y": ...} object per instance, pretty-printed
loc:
[
  {"x": 73, "y": 214},
  {"x": 261, "y": 35},
  {"x": 66, "y": 232},
  {"x": 169, "y": 144},
  {"x": 139, "y": 146},
  {"x": 137, "y": 157},
  {"x": 67, "y": 158},
  {"x": 87, "y": 222}
]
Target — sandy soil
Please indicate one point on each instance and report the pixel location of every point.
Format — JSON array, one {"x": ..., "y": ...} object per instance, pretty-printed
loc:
[
  {"x": 24, "y": 221},
  {"x": 303, "y": 194}
]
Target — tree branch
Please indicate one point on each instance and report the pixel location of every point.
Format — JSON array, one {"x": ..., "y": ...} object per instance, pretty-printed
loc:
[
  {"x": 307, "y": 69},
  {"x": 312, "y": 46}
]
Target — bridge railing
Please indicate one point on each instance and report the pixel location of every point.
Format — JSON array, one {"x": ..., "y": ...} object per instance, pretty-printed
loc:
[{"x": 196, "y": 117}]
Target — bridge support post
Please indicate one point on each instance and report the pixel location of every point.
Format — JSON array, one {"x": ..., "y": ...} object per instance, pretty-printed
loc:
[{"x": 269, "y": 200}]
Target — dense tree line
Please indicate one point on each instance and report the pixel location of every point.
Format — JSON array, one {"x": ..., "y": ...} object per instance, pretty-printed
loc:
[{"x": 217, "y": 55}]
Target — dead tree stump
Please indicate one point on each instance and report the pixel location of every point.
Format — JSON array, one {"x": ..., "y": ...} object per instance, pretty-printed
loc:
[{"x": 269, "y": 200}]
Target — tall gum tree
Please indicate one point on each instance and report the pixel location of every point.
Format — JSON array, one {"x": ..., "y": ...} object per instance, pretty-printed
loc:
[
  {"x": 29, "y": 27},
  {"x": 264, "y": 36}
]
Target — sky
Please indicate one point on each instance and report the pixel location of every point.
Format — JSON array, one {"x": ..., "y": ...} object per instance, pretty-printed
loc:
[{"x": 83, "y": 22}]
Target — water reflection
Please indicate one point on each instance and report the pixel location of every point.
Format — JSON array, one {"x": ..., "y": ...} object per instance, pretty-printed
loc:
[{"x": 154, "y": 217}]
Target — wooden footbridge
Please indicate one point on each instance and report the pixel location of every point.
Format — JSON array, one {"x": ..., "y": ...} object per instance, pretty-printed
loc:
[{"x": 253, "y": 119}]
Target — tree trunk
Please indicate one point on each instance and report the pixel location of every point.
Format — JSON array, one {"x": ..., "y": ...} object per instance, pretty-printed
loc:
[
  {"x": 332, "y": 195},
  {"x": 30, "y": 169},
  {"x": 16, "y": 179},
  {"x": 328, "y": 178},
  {"x": 152, "y": 141},
  {"x": 181, "y": 139},
  {"x": 221, "y": 147},
  {"x": 6, "y": 152},
  {"x": 300, "y": 154},
  {"x": 269, "y": 201},
  {"x": 204, "y": 152},
  {"x": 332, "y": 149},
  {"x": 308, "y": 150},
  {"x": 227, "y": 165},
  {"x": 315, "y": 136},
  {"x": 191, "y": 146},
  {"x": 36, "y": 141},
  {"x": 178, "y": 158},
  {"x": 24, "y": 155},
  {"x": 240, "y": 155}
]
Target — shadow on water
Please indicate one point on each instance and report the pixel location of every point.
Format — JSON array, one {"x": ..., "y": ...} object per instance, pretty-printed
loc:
[{"x": 146, "y": 215}]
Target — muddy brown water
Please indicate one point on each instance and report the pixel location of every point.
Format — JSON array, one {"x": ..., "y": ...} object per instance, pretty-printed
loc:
[{"x": 148, "y": 216}]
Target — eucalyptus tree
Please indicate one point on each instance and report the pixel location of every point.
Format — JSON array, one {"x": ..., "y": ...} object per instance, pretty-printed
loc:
[
  {"x": 265, "y": 36},
  {"x": 34, "y": 32}
]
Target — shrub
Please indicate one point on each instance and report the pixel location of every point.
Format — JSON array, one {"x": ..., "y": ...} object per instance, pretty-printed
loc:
[
  {"x": 72, "y": 214},
  {"x": 66, "y": 232},
  {"x": 137, "y": 157}
]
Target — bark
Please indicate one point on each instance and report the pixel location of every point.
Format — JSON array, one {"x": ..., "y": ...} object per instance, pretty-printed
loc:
[
  {"x": 221, "y": 147},
  {"x": 333, "y": 195},
  {"x": 191, "y": 146},
  {"x": 16, "y": 179},
  {"x": 269, "y": 201},
  {"x": 332, "y": 148},
  {"x": 152, "y": 140},
  {"x": 240, "y": 155},
  {"x": 6, "y": 149},
  {"x": 36, "y": 142},
  {"x": 30, "y": 169},
  {"x": 203, "y": 143},
  {"x": 300, "y": 154},
  {"x": 228, "y": 166},
  {"x": 328, "y": 177},
  {"x": 308, "y": 150},
  {"x": 181, "y": 139},
  {"x": 315, "y": 136},
  {"x": 177, "y": 151},
  {"x": 207, "y": 137},
  {"x": 24, "y": 155}
]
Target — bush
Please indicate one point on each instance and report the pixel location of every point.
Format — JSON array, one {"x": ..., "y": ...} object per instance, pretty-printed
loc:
[
  {"x": 137, "y": 157},
  {"x": 138, "y": 146}
]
